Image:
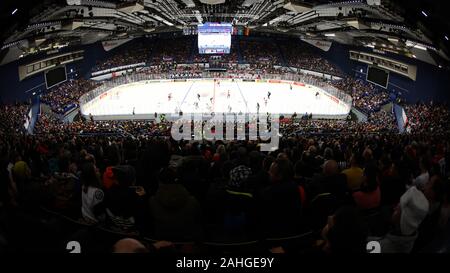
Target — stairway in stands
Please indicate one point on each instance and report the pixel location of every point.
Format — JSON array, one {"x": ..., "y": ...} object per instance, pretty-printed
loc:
[
  {"x": 194, "y": 50},
  {"x": 281, "y": 54},
  {"x": 237, "y": 46}
]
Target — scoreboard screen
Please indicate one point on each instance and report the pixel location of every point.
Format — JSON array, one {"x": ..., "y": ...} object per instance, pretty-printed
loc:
[
  {"x": 55, "y": 76},
  {"x": 378, "y": 76},
  {"x": 214, "y": 38}
]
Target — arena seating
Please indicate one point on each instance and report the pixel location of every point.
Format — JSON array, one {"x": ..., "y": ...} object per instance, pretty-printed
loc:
[
  {"x": 121, "y": 166},
  {"x": 124, "y": 56},
  {"x": 331, "y": 186}
]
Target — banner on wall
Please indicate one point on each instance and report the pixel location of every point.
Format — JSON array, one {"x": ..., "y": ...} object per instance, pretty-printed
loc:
[
  {"x": 321, "y": 44},
  {"x": 110, "y": 45}
]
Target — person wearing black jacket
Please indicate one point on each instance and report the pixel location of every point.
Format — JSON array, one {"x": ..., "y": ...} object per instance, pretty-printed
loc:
[
  {"x": 280, "y": 202},
  {"x": 124, "y": 201}
]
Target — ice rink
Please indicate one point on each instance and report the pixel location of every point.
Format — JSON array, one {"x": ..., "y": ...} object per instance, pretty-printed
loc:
[{"x": 221, "y": 96}]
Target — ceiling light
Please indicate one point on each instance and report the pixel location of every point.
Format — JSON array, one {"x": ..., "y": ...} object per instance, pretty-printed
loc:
[
  {"x": 424, "y": 14},
  {"x": 415, "y": 45},
  {"x": 330, "y": 34},
  {"x": 446, "y": 37},
  {"x": 14, "y": 11}
]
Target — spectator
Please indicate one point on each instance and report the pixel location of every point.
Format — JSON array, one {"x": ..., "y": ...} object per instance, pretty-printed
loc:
[
  {"x": 407, "y": 217},
  {"x": 129, "y": 245},
  {"x": 123, "y": 202},
  {"x": 175, "y": 212},
  {"x": 345, "y": 232},
  {"x": 424, "y": 176},
  {"x": 281, "y": 211},
  {"x": 92, "y": 196},
  {"x": 354, "y": 174},
  {"x": 368, "y": 197}
]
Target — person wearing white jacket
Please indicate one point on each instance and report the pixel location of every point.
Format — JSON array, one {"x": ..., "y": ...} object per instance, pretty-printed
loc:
[{"x": 409, "y": 214}]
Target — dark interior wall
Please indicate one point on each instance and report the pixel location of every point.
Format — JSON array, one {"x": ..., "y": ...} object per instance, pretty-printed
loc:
[
  {"x": 432, "y": 83},
  {"x": 12, "y": 90}
]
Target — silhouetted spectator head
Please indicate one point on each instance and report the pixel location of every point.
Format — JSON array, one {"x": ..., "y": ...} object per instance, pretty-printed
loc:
[
  {"x": 434, "y": 189},
  {"x": 125, "y": 175},
  {"x": 330, "y": 167},
  {"x": 89, "y": 176},
  {"x": 367, "y": 154},
  {"x": 328, "y": 153},
  {"x": 64, "y": 162},
  {"x": 238, "y": 177},
  {"x": 370, "y": 178},
  {"x": 226, "y": 168},
  {"x": 267, "y": 162},
  {"x": 355, "y": 160},
  {"x": 168, "y": 175},
  {"x": 281, "y": 171},
  {"x": 301, "y": 169},
  {"x": 424, "y": 164},
  {"x": 255, "y": 161},
  {"x": 129, "y": 245},
  {"x": 345, "y": 232},
  {"x": 282, "y": 156}
]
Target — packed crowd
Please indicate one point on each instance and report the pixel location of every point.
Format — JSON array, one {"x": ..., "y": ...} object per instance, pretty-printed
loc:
[
  {"x": 67, "y": 93},
  {"x": 427, "y": 118},
  {"x": 230, "y": 58},
  {"x": 383, "y": 119},
  {"x": 366, "y": 97},
  {"x": 176, "y": 50},
  {"x": 380, "y": 122},
  {"x": 260, "y": 55},
  {"x": 345, "y": 188},
  {"x": 300, "y": 55},
  {"x": 346, "y": 182},
  {"x": 138, "y": 53},
  {"x": 13, "y": 117},
  {"x": 49, "y": 125}
]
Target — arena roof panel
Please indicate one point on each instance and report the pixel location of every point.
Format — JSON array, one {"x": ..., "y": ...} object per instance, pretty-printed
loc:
[{"x": 110, "y": 19}]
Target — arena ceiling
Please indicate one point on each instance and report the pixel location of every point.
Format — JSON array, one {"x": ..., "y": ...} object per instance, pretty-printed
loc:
[{"x": 418, "y": 28}]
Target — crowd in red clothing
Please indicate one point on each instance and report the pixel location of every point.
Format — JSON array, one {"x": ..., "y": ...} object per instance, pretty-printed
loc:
[{"x": 427, "y": 118}]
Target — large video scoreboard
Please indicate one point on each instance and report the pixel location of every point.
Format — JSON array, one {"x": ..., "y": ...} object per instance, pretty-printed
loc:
[{"x": 214, "y": 38}]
